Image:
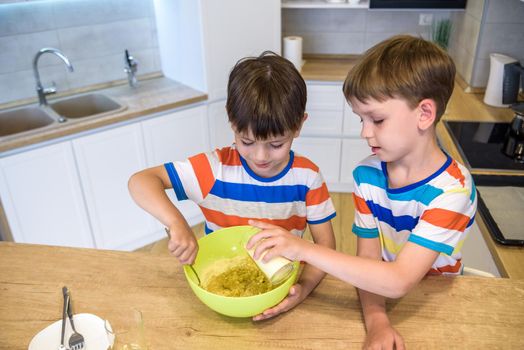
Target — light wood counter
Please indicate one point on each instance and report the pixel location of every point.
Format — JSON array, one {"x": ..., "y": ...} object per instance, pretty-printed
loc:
[
  {"x": 462, "y": 106},
  {"x": 441, "y": 312},
  {"x": 327, "y": 69},
  {"x": 151, "y": 96}
]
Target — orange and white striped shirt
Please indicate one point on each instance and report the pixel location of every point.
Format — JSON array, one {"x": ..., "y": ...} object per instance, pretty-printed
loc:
[
  {"x": 435, "y": 213},
  {"x": 229, "y": 193}
]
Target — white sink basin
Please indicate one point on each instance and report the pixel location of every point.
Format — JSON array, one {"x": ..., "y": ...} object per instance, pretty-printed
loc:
[
  {"x": 86, "y": 106},
  {"x": 18, "y": 120}
]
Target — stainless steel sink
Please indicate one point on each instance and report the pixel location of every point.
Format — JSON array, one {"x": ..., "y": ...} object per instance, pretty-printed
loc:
[
  {"x": 88, "y": 105},
  {"x": 18, "y": 120}
]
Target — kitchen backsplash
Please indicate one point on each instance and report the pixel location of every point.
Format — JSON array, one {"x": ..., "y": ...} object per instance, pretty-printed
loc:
[
  {"x": 93, "y": 34},
  {"x": 351, "y": 31},
  {"x": 487, "y": 26}
]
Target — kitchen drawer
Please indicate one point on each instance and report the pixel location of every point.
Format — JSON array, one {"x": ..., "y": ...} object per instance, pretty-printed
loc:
[
  {"x": 325, "y": 108},
  {"x": 325, "y": 97},
  {"x": 352, "y": 124},
  {"x": 324, "y": 152},
  {"x": 353, "y": 151}
]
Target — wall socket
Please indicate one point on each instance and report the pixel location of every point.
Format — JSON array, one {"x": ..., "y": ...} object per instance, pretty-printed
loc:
[{"x": 425, "y": 19}]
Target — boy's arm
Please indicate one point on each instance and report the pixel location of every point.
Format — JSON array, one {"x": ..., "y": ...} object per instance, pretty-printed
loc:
[
  {"x": 147, "y": 188},
  {"x": 391, "y": 279},
  {"x": 380, "y": 333}
]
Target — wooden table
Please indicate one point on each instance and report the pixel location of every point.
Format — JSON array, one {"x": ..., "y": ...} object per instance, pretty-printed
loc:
[{"x": 442, "y": 312}]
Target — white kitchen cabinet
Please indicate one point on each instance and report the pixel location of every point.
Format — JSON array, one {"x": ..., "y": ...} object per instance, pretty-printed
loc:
[
  {"x": 177, "y": 136},
  {"x": 200, "y": 41},
  {"x": 42, "y": 197},
  {"x": 330, "y": 136},
  {"x": 325, "y": 106},
  {"x": 324, "y": 152},
  {"x": 353, "y": 151},
  {"x": 220, "y": 132},
  {"x": 476, "y": 254},
  {"x": 106, "y": 160},
  {"x": 352, "y": 123}
]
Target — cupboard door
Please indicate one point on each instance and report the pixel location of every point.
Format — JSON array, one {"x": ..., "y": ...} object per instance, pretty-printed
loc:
[
  {"x": 353, "y": 151},
  {"x": 476, "y": 254},
  {"x": 324, "y": 152},
  {"x": 325, "y": 110},
  {"x": 176, "y": 136},
  {"x": 352, "y": 124},
  {"x": 42, "y": 197},
  {"x": 106, "y": 160},
  {"x": 220, "y": 132}
]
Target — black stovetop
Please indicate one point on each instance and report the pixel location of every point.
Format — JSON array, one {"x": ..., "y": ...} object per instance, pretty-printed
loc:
[{"x": 481, "y": 145}]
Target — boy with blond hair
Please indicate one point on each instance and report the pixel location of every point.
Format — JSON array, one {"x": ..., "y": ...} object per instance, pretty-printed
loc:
[
  {"x": 414, "y": 204},
  {"x": 259, "y": 177}
]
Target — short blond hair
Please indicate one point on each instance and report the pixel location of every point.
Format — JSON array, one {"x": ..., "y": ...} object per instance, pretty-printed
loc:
[{"x": 404, "y": 67}]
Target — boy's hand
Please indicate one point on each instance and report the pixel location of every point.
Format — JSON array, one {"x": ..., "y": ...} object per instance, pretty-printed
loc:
[
  {"x": 277, "y": 241},
  {"x": 183, "y": 245},
  {"x": 383, "y": 337},
  {"x": 295, "y": 297}
]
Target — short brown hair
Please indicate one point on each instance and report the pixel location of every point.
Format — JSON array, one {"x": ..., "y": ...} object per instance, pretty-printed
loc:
[
  {"x": 266, "y": 95},
  {"x": 403, "y": 67}
]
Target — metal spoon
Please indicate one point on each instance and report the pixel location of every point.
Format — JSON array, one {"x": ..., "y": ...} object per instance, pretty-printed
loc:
[{"x": 190, "y": 265}]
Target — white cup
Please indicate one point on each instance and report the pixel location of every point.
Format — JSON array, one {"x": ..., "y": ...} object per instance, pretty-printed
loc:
[{"x": 277, "y": 270}]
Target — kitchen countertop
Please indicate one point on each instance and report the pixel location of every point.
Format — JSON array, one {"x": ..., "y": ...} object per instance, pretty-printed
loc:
[
  {"x": 479, "y": 313},
  {"x": 151, "y": 96}
]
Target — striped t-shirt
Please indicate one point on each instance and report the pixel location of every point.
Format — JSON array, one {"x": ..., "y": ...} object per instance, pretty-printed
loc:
[
  {"x": 229, "y": 193},
  {"x": 435, "y": 213}
]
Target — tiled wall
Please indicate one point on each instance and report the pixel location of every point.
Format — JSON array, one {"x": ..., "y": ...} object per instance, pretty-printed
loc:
[
  {"x": 351, "y": 31},
  {"x": 93, "y": 34},
  {"x": 464, "y": 40},
  {"x": 502, "y": 31}
]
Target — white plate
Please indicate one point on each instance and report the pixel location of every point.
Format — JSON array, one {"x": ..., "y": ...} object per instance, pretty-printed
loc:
[{"x": 92, "y": 327}]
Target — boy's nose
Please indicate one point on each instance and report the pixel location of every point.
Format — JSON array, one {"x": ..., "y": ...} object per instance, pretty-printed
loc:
[
  {"x": 366, "y": 131},
  {"x": 261, "y": 154}
]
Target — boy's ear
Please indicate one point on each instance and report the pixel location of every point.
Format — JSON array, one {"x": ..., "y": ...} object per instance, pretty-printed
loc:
[
  {"x": 427, "y": 113},
  {"x": 297, "y": 133}
]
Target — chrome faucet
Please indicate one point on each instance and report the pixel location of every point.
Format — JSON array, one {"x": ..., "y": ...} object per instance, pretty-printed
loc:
[
  {"x": 131, "y": 67},
  {"x": 41, "y": 91}
]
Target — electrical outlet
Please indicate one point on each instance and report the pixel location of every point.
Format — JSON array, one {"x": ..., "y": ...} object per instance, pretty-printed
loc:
[{"x": 425, "y": 19}]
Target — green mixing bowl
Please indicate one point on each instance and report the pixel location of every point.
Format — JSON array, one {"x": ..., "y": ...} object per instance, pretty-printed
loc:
[{"x": 224, "y": 244}]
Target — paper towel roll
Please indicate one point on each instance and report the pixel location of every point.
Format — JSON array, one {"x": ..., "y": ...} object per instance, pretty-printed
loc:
[{"x": 293, "y": 50}]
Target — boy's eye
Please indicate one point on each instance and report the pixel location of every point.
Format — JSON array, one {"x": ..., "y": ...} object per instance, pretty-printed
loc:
[
  {"x": 247, "y": 143},
  {"x": 277, "y": 145},
  {"x": 379, "y": 121}
]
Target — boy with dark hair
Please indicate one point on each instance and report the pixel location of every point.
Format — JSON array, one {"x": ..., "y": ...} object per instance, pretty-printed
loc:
[
  {"x": 259, "y": 177},
  {"x": 413, "y": 203}
]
